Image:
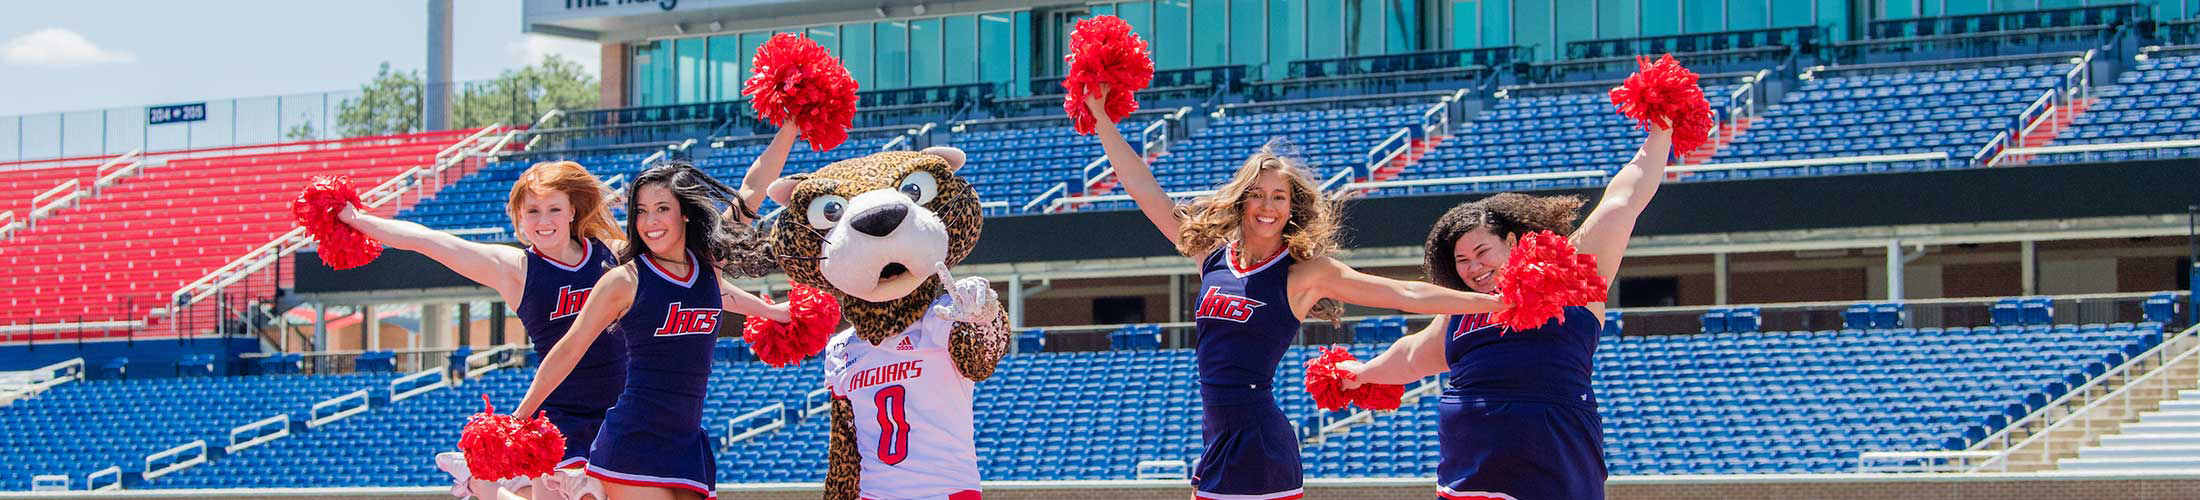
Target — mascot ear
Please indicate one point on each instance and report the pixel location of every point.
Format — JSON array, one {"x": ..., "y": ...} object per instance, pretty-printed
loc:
[
  {"x": 783, "y": 189},
  {"x": 953, "y": 156}
]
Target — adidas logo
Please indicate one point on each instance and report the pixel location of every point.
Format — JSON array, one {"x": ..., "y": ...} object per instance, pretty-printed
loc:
[{"x": 905, "y": 345}]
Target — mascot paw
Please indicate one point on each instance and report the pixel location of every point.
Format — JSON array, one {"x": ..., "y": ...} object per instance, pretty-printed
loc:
[{"x": 971, "y": 300}]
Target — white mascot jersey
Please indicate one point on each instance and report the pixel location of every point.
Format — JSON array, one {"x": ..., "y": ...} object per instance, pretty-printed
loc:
[{"x": 912, "y": 411}]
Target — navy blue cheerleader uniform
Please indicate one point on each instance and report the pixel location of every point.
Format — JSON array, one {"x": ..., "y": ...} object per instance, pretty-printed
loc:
[
  {"x": 1518, "y": 419},
  {"x": 1245, "y": 324},
  {"x": 654, "y": 436},
  {"x": 549, "y": 301}
]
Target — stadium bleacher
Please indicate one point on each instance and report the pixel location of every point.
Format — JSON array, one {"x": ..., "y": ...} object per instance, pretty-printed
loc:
[
  {"x": 1705, "y": 403},
  {"x": 117, "y": 255}
]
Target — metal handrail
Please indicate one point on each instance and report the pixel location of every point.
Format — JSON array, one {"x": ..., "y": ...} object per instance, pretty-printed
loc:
[
  {"x": 2119, "y": 394},
  {"x": 1182, "y": 469},
  {"x": 1343, "y": 174},
  {"x": 1476, "y": 179},
  {"x": 775, "y": 409},
  {"x": 484, "y": 356},
  {"x": 1100, "y": 163},
  {"x": 198, "y": 444},
  {"x": 69, "y": 185},
  {"x": 105, "y": 177},
  {"x": 814, "y": 408},
  {"x": 1120, "y": 197},
  {"x": 279, "y": 433},
  {"x": 1379, "y": 149},
  {"x": 1435, "y": 121},
  {"x": 1059, "y": 188},
  {"x": 1864, "y": 460},
  {"x": 1772, "y": 306},
  {"x": 295, "y": 239},
  {"x": 2117, "y": 146},
  {"x": 396, "y": 395},
  {"x": 1845, "y": 160},
  {"x": 320, "y": 420},
  {"x": 1997, "y": 145},
  {"x": 1147, "y": 142},
  {"x": 93, "y": 478}
]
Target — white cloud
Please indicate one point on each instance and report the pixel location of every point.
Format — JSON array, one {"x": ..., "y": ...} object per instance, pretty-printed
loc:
[
  {"x": 60, "y": 48},
  {"x": 530, "y": 49}
]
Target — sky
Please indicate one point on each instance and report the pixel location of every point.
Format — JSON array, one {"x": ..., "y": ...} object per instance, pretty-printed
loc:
[{"x": 97, "y": 54}]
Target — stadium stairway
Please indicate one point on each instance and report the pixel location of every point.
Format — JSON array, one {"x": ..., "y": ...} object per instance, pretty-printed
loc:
[
  {"x": 2143, "y": 415},
  {"x": 2167, "y": 438}
]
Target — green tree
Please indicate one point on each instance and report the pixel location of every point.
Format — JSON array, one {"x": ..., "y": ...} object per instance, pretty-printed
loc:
[
  {"x": 390, "y": 104},
  {"x": 518, "y": 96},
  {"x": 303, "y": 131}
]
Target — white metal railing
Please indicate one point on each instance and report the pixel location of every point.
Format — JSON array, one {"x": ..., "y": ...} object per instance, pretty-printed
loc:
[
  {"x": 2121, "y": 395},
  {"x": 1475, "y": 179},
  {"x": 2053, "y": 105},
  {"x": 290, "y": 242},
  {"x": 817, "y": 401},
  {"x": 1990, "y": 153},
  {"x": 899, "y": 140},
  {"x": 319, "y": 420},
  {"x": 1436, "y": 121},
  {"x": 50, "y": 482},
  {"x": 470, "y": 231},
  {"x": 483, "y": 357},
  {"x": 994, "y": 204},
  {"x": 1343, "y": 175},
  {"x": 734, "y": 434},
  {"x": 1811, "y": 162},
  {"x": 1161, "y": 469},
  {"x": 2039, "y": 113},
  {"x": 91, "y": 481},
  {"x": 2097, "y": 148},
  {"x": 152, "y": 472},
  {"x": 1097, "y": 164},
  {"x": 257, "y": 439},
  {"x": 1154, "y": 137},
  {"x": 401, "y": 395},
  {"x": 652, "y": 158},
  {"x": 546, "y": 117},
  {"x": 1067, "y": 200},
  {"x": 69, "y": 370},
  {"x": 1384, "y": 152},
  {"x": 8, "y": 223},
  {"x": 1935, "y": 461},
  {"x": 104, "y": 178},
  {"x": 71, "y": 326},
  {"x": 61, "y": 196},
  {"x": 495, "y": 149},
  {"x": 1060, "y": 188}
]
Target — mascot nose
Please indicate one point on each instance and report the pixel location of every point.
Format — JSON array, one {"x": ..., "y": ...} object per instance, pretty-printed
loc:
[{"x": 881, "y": 221}]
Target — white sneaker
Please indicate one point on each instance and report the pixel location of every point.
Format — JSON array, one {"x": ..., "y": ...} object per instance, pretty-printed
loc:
[{"x": 454, "y": 463}]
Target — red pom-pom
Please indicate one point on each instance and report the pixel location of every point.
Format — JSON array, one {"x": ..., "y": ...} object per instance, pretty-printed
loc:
[
  {"x": 1378, "y": 397},
  {"x": 499, "y": 446},
  {"x": 815, "y": 315},
  {"x": 1543, "y": 276},
  {"x": 1664, "y": 94},
  {"x": 1104, "y": 51},
  {"x": 341, "y": 246},
  {"x": 797, "y": 78},
  {"x": 1325, "y": 381}
]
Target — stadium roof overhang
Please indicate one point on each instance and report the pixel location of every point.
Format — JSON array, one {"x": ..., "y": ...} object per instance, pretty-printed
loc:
[{"x": 609, "y": 21}]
